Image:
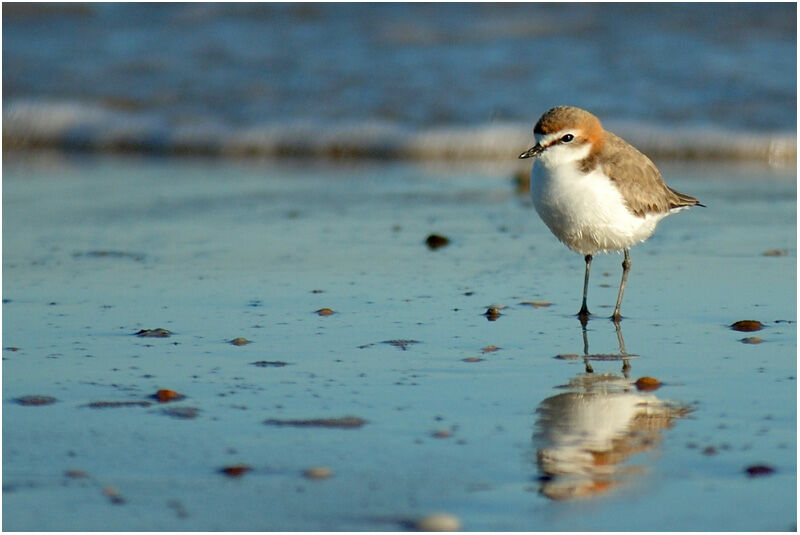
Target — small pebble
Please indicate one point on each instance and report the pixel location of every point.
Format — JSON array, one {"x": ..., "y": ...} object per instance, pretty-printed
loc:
[
  {"x": 489, "y": 349},
  {"x": 442, "y": 433},
  {"x": 472, "y": 359},
  {"x": 775, "y": 252},
  {"x": 759, "y": 470},
  {"x": 438, "y": 522},
  {"x": 153, "y": 333},
  {"x": 435, "y": 241},
  {"x": 647, "y": 384},
  {"x": 492, "y": 313},
  {"x": 752, "y": 340},
  {"x": 76, "y": 474},
  {"x": 318, "y": 473},
  {"x": 747, "y": 326},
  {"x": 710, "y": 450},
  {"x": 165, "y": 396},
  {"x": 324, "y": 312},
  {"x": 240, "y": 341},
  {"x": 236, "y": 470},
  {"x": 35, "y": 401}
]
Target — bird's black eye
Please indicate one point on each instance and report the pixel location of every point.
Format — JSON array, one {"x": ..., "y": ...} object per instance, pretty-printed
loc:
[{"x": 567, "y": 138}]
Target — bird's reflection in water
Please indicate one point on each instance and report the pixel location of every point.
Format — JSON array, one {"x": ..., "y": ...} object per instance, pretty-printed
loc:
[{"x": 586, "y": 434}]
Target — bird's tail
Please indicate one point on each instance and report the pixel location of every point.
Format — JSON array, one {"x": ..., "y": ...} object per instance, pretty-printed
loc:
[{"x": 681, "y": 200}]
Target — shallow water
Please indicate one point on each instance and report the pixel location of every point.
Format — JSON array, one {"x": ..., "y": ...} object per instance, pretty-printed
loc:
[
  {"x": 708, "y": 81},
  {"x": 96, "y": 249}
]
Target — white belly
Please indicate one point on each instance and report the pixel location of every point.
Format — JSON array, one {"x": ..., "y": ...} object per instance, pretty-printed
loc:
[{"x": 586, "y": 211}]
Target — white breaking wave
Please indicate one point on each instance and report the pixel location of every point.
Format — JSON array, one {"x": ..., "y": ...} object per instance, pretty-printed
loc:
[{"x": 89, "y": 127}]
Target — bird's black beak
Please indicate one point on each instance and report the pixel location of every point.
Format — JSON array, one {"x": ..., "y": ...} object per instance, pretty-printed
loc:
[{"x": 532, "y": 152}]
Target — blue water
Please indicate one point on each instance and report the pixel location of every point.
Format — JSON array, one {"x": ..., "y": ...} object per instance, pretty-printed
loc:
[{"x": 226, "y": 68}]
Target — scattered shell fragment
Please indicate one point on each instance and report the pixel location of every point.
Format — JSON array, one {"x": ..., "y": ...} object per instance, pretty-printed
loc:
[
  {"x": 324, "y": 312},
  {"x": 76, "y": 474},
  {"x": 442, "y": 433},
  {"x": 435, "y": 241},
  {"x": 776, "y": 252},
  {"x": 752, "y": 340},
  {"x": 345, "y": 422},
  {"x": 153, "y": 333},
  {"x": 318, "y": 473},
  {"x": 165, "y": 396},
  {"x": 35, "y": 401},
  {"x": 240, "y": 341},
  {"x": 472, "y": 359},
  {"x": 489, "y": 349},
  {"x": 647, "y": 384},
  {"x": 235, "y": 470},
  {"x": 537, "y": 304},
  {"x": 747, "y": 326},
  {"x": 757, "y": 470},
  {"x": 437, "y": 522}
]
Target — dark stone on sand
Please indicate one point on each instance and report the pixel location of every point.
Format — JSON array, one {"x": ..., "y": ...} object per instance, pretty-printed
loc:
[
  {"x": 35, "y": 401},
  {"x": 118, "y": 404},
  {"x": 758, "y": 470},
  {"x": 436, "y": 241},
  {"x": 240, "y": 341},
  {"x": 236, "y": 470},
  {"x": 747, "y": 326},
  {"x": 153, "y": 333},
  {"x": 345, "y": 422},
  {"x": 269, "y": 363}
]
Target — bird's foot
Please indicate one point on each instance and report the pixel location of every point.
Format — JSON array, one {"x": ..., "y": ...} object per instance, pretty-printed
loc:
[{"x": 583, "y": 315}]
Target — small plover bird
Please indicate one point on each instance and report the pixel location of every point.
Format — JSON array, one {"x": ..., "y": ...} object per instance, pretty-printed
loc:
[{"x": 595, "y": 191}]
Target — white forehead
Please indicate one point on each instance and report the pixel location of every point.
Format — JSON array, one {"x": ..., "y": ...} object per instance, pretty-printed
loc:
[{"x": 543, "y": 139}]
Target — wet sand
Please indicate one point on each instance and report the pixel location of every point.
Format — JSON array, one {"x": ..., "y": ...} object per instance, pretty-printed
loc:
[{"x": 406, "y": 395}]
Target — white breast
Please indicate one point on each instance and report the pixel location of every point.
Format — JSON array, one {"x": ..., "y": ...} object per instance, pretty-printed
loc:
[{"x": 586, "y": 211}]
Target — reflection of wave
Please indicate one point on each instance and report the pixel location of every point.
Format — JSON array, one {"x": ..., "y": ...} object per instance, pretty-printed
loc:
[
  {"x": 590, "y": 431},
  {"x": 87, "y": 127}
]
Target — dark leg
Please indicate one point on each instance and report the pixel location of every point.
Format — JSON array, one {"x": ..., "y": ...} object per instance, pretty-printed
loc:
[
  {"x": 584, "y": 312},
  {"x": 626, "y": 267},
  {"x": 587, "y": 365}
]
